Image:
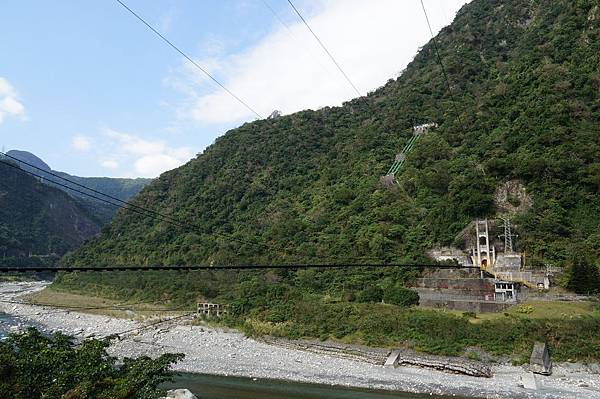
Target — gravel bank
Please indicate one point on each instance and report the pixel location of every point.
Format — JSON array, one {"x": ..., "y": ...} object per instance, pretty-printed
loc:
[{"x": 213, "y": 351}]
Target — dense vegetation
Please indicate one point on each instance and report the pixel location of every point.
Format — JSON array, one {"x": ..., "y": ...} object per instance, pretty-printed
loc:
[
  {"x": 305, "y": 187},
  {"x": 122, "y": 189},
  {"x": 38, "y": 223},
  {"x": 525, "y": 79},
  {"x": 34, "y": 366}
]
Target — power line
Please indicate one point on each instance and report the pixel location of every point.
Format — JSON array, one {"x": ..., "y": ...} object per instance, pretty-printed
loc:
[
  {"x": 141, "y": 211},
  {"x": 439, "y": 59},
  {"x": 167, "y": 219},
  {"x": 189, "y": 59},
  {"x": 293, "y": 36},
  {"x": 241, "y": 267},
  {"x": 324, "y": 48},
  {"x": 138, "y": 209},
  {"x": 67, "y": 187},
  {"x": 121, "y": 204}
]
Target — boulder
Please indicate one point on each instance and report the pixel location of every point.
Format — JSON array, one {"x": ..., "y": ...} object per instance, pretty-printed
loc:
[
  {"x": 179, "y": 394},
  {"x": 540, "y": 362}
]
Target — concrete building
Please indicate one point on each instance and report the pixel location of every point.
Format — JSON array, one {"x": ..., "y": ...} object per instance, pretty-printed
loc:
[
  {"x": 505, "y": 291},
  {"x": 211, "y": 309}
]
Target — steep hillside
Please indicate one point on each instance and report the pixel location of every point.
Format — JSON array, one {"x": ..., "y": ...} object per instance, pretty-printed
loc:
[
  {"x": 305, "y": 187},
  {"x": 120, "y": 188},
  {"x": 38, "y": 222}
]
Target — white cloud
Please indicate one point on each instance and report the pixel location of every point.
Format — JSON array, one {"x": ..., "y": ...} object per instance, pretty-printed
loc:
[
  {"x": 81, "y": 143},
  {"x": 287, "y": 70},
  {"x": 149, "y": 157},
  {"x": 110, "y": 164},
  {"x": 154, "y": 165},
  {"x": 9, "y": 103}
]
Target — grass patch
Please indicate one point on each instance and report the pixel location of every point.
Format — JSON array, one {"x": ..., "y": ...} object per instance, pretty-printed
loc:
[
  {"x": 551, "y": 310},
  {"x": 556, "y": 309},
  {"x": 97, "y": 305}
]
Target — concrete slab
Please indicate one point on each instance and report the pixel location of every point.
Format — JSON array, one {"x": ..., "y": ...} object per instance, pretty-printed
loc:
[
  {"x": 529, "y": 381},
  {"x": 392, "y": 359}
]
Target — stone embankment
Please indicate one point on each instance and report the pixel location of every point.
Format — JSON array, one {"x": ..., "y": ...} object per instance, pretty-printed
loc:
[
  {"x": 447, "y": 364},
  {"x": 352, "y": 352}
]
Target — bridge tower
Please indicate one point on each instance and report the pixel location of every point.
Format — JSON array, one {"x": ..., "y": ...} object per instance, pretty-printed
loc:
[{"x": 483, "y": 251}]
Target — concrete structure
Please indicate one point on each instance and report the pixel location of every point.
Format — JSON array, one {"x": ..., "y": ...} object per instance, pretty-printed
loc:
[
  {"x": 211, "y": 309},
  {"x": 424, "y": 128},
  {"x": 500, "y": 280},
  {"x": 275, "y": 114},
  {"x": 400, "y": 157},
  {"x": 392, "y": 359},
  {"x": 529, "y": 381},
  {"x": 540, "y": 362},
  {"x": 484, "y": 254},
  {"x": 508, "y": 262},
  {"x": 451, "y": 253},
  {"x": 459, "y": 289},
  {"x": 389, "y": 179},
  {"x": 505, "y": 291}
]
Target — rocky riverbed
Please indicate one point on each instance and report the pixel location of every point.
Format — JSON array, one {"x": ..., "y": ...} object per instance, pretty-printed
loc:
[{"x": 215, "y": 351}]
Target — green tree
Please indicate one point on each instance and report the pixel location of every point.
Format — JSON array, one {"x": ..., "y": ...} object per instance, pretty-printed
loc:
[{"x": 33, "y": 366}]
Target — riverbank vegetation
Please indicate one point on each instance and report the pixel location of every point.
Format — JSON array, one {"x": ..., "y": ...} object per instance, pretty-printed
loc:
[
  {"x": 327, "y": 304},
  {"x": 35, "y": 366}
]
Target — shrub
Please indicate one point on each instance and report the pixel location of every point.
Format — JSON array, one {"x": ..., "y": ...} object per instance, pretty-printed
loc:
[
  {"x": 525, "y": 309},
  {"x": 372, "y": 293},
  {"x": 401, "y": 296}
]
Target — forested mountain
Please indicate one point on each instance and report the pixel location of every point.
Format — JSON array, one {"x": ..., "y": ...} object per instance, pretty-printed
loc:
[
  {"x": 120, "y": 188},
  {"x": 38, "y": 222},
  {"x": 523, "y": 104}
]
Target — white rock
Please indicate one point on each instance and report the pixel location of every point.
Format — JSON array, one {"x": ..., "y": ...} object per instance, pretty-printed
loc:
[{"x": 180, "y": 394}]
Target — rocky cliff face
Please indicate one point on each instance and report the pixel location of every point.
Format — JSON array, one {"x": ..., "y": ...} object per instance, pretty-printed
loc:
[
  {"x": 120, "y": 188},
  {"x": 37, "y": 221}
]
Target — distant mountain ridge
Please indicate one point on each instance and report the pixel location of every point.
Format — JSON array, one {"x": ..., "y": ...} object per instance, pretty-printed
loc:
[
  {"x": 121, "y": 188},
  {"x": 38, "y": 223}
]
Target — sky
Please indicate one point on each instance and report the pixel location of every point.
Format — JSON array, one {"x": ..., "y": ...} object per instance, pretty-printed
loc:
[{"x": 89, "y": 89}]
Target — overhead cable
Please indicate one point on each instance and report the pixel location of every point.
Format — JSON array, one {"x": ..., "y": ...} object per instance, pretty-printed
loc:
[
  {"x": 324, "y": 48},
  {"x": 156, "y": 32}
]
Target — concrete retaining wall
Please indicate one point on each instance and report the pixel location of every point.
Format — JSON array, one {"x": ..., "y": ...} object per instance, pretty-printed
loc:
[{"x": 466, "y": 305}]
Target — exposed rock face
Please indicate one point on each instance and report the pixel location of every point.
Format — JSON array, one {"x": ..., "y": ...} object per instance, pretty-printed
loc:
[
  {"x": 388, "y": 181},
  {"x": 540, "y": 362},
  {"x": 179, "y": 394},
  {"x": 511, "y": 197}
]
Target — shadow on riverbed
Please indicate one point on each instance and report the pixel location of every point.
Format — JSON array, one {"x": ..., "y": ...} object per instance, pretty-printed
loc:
[{"x": 219, "y": 387}]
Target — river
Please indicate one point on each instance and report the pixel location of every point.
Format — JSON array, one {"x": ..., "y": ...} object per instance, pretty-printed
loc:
[{"x": 220, "y": 387}]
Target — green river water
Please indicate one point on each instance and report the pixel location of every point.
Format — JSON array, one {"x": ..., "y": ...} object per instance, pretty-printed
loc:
[{"x": 219, "y": 387}]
